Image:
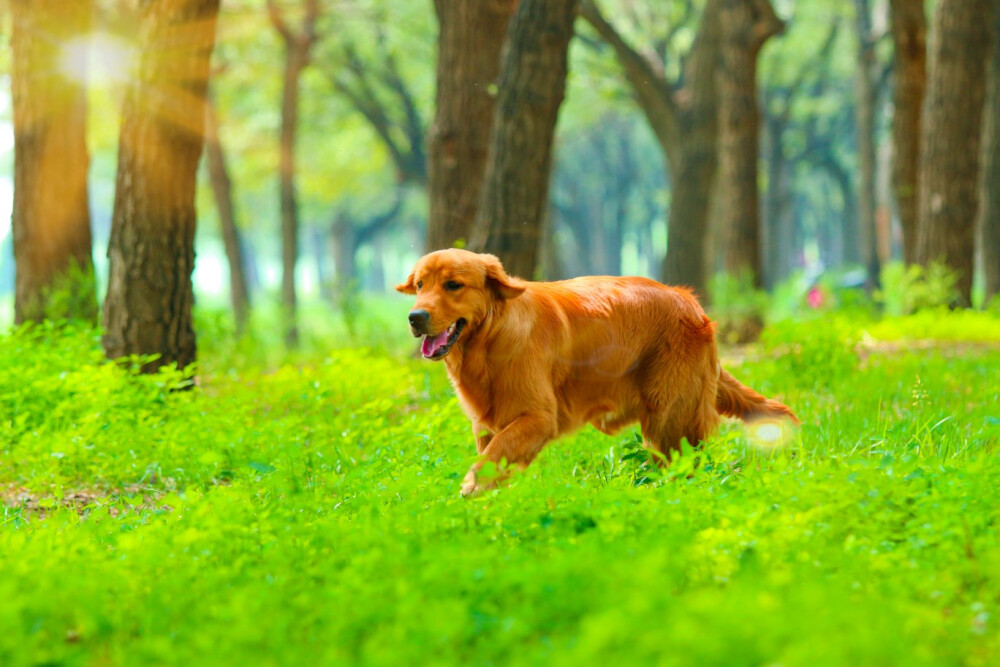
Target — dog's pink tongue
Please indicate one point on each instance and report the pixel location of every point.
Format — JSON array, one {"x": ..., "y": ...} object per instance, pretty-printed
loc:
[{"x": 432, "y": 345}]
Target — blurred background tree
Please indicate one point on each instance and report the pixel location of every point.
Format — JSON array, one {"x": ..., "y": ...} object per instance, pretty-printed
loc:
[
  {"x": 346, "y": 138},
  {"x": 51, "y": 209}
]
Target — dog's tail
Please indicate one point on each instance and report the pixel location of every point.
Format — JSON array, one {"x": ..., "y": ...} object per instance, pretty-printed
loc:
[{"x": 734, "y": 399}]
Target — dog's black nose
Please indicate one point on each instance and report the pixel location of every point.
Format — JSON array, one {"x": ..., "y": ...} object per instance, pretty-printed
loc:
[{"x": 419, "y": 319}]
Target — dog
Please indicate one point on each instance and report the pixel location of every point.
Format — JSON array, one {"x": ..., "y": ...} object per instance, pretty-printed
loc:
[{"x": 531, "y": 361}]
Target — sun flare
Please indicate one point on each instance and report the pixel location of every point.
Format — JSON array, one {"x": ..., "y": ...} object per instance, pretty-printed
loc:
[
  {"x": 98, "y": 59},
  {"x": 769, "y": 434}
]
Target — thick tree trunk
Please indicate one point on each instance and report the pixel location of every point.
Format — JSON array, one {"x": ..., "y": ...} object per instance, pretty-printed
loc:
[
  {"x": 989, "y": 193},
  {"x": 695, "y": 162},
  {"x": 909, "y": 35},
  {"x": 685, "y": 124},
  {"x": 51, "y": 218},
  {"x": 866, "y": 94},
  {"x": 532, "y": 85},
  {"x": 951, "y": 134},
  {"x": 151, "y": 252},
  {"x": 745, "y": 25},
  {"x": 692, "y": 160},
  {"x": 470, "y": 38},
  {"x": 222, "y": 189}
]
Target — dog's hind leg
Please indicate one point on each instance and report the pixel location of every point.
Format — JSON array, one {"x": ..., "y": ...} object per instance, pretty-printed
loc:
[
  {"x": 664, "y": 430},
  {"x": 661, "y": 435}
]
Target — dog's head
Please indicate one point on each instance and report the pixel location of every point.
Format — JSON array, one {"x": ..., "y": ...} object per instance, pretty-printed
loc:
[{"x": 456, "y": 290}]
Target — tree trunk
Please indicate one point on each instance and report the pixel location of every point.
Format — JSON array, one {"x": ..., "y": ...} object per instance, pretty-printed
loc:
[
  {"x": 774, "y": 202},
  {"x": 297, "y": 48},
  {"x": 745, "y": 25},
  {"x": 294, "y": 64},
  {"x": 781, "y": 242},
  {"x": 222, "y": 189},
  {"x": 866, "y": 93},
  {"x": 151, "y": 252},
  {"x": 692, "y": 160},
  {"x": 990, "y": 185},
  {"x": 951, "y": 133},
  {"x": 532, "y": 85},
  {"x": 345, "y": 245},
  {"x": 685, "y": 124},
  {"x": 847, "y": 241},
  {"x": 909, "y": 36},
  {"x": 51, "y": 215},
  {"x": 470, "y": 38}
]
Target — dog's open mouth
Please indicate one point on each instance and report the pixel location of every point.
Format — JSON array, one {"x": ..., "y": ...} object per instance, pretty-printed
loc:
[{"x": 435, "y": 347}]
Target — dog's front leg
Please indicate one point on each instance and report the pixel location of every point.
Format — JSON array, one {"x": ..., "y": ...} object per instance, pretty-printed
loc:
[
  {"x": 483, "y": 436},
  {"x": 518, "y": 444}
]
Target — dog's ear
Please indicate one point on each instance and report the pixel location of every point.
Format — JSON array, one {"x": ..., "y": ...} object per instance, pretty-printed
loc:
[
  {"x": 408, "y": 287},
  {"x": 504, "y": 285}
]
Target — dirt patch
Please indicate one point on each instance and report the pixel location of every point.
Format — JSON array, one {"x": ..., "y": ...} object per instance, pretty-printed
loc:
[{"x": 127, "y": 500}]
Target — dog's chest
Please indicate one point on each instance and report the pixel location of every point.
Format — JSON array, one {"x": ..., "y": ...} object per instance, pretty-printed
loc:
[
  {"x": 475, "y": 392},
  {"x": 474, "y": 395}
]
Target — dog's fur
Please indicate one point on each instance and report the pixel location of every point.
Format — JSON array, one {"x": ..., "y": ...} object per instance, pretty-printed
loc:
[{"x": 536, "y": 360}]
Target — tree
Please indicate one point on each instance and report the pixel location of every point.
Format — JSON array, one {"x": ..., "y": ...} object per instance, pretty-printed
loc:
[
  {"x": 682, "y": 113},
  {"x": 349, "y": 235},
  {"x": 51, "y": 215},
  {"x": 990, "y": 185},
  {"x": 950, "y": 137},
  {"x": 470, "y": 38},
  {"x": 909, "y": 37},
  {"x": 378, "y": 92},
  {"x": 532, "y": 86},
  {"x": 782, "y": 237},
  {"x": 298, "y": 45},
  {"x": 222, "y": 189},
  {"x": 606, "y": 187},
  {"x": 151, "y": 252},
  {"x": 745, "y": 25},
  {"x": 867, "y": 97}
]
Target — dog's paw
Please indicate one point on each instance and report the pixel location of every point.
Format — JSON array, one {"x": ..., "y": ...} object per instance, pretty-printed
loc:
[{"x": 471, "y": 486}]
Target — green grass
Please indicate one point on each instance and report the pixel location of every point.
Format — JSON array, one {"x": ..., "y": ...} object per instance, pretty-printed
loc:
[{"x": 308, "y": 513}]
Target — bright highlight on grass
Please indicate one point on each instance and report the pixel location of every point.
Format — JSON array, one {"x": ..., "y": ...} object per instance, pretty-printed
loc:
[
  {"x": 769, "y": 434},
  {"x": 99, "y": 58}
]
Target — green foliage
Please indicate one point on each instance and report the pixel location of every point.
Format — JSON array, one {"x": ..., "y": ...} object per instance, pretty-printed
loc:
[
  {"x": 308, "y": 513},
  {"x": 908, "y": 289},
  {"x": 738, "y": 308},
  {"x": 71, "y": 295}
]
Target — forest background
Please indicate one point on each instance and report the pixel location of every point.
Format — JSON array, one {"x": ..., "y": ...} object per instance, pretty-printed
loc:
[{"x": 829, "y": 200}]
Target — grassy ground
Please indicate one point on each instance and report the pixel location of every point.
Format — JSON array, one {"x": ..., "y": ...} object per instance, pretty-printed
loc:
[{"x": 308, "y": 512}]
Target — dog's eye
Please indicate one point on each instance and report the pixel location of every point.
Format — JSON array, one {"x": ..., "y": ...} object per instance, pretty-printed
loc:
[
  {"x": 420, "y": 284},
  {"x": 452, "y": 286}
]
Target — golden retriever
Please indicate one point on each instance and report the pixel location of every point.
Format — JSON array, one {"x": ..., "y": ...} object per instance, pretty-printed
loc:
[{"x": 534, "y": 360}]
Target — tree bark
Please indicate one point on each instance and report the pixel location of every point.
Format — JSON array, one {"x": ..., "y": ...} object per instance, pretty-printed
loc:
[
  {"x": 951, "y": 137},
  {"x": 989, "y": 190},
  {"x": 909, "y": 36},
  {"x": 151, "y": 252},
  {"x": 470, "y": 38},
  {"x": 222, "y": 189},
  {"x": 745, "y": 25},
  {"x": 297, "y": 50},
  {"x": 865, "y": 119},
  {"x": 532, "y": 86},
  {"x": 685, "y": 123},
  {"x": 779, "y": 237},
  {"x": 51, "y": 215}
]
